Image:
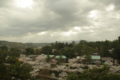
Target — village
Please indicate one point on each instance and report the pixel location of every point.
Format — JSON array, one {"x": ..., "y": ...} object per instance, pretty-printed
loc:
[
  {"x": 62, "y": 61},
  {"x": 78, "y": 64}
]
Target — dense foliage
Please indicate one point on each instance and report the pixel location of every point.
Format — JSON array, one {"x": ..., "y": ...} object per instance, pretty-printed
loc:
[
  {"x": 94, "y": 74},
  {"x": 84, "y": 47},
  {"x": 11, "y": 67}
]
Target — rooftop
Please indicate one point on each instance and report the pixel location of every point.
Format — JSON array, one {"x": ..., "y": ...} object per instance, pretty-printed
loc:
[{"x": 95, "y": 57}]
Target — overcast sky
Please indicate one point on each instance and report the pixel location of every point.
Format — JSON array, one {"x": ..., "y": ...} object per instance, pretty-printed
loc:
[{"x": 59, "y": 20}]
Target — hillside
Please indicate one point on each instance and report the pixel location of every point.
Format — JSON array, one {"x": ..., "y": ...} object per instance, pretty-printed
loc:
[{"x": 22, "y": 45}]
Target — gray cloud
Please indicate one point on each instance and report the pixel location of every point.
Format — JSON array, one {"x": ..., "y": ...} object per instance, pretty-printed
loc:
[
  {"x": 61, "y": 16},
  {"x": 6, "y": 3}
]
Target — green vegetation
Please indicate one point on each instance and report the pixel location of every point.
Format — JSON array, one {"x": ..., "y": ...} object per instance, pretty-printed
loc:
[
  {"x": 22, "y": 45},
  {"x": 29, "y": 51},
  {"x": 46, "y": 50},
  {"x": 94, "y": 74},
  {"x": 48, "y": 58},
  {"x": 70, "y": 50},
  {"x": 12, "y": 67}
]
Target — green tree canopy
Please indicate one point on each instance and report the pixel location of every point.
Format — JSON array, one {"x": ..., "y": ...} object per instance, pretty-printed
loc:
[
  {"x": 104, "y": 52},
  {"x": 116, "y": 53},
  {"x": 46, "y": 50},
  {"x": 30, "y": 50},
  {"x": 3, "y": 48},
  {"x": 15, "y": 52}
]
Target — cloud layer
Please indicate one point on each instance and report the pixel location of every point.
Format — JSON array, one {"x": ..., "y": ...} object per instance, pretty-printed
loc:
[{"x": 59, "y": 20}]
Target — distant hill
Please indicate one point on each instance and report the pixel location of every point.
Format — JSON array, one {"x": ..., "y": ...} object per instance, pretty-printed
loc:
[
  {"x": 34, "y": 45},
  {"x": 22, "y": 45}
]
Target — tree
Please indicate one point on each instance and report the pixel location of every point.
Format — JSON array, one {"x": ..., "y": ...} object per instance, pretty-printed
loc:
[
  {"x": 119, "y": 40},
  {"x": 52, "y": 45},
  {"x": 104, "y": 52},
  {"x": 3, "y": 55},
  {"x": 86, "y": 50},
  {"x": 59, "y": 45},
  {"x": 24, "y": 71},
  {"x": 73, "y": 43},
  {"x": 83, "y": 42},
  {"x": 66, "y": 44},
  {"x": 60, "y": 60},
  {"x": 29, "y": 50},
  {"x": 16, "y": 69},
  {"x": 37, "y": 51},
  {"x": 88, "y": 57},
  {"x": 15, "y": 52},
  {"x": 92, "y": 44},
  {"x": 94, "y": 74},
  {"x": 4, "y": 72},
  {"x": 48, "y": 58},
  {"x": 3, "y": 48},
  {"x": 46, "y": 50},
  {"x": 106, "y": 43},
  {"x": 114, "y": 43},
  {"x": 70, "y": 45},
  {"x": 116, "y": 53},
  {"x": 12, "y": 60},
  {"x": 77, "y": 49},
  {"x": 69, "y": 53}
]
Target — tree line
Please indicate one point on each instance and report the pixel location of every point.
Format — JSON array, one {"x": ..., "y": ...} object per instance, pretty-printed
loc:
[{"x": 71, "y": 50}]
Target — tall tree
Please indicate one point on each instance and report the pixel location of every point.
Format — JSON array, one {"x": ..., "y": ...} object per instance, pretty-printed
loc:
[
  {"x": 48, "y": 58},
  {"x": 106, "y": 43},
  {"x": 104, "y": 52},
  {"x": 73, "y": 43},
  {"x": 66, "y": 44},
  {"x": 116, "y": 53},
  {"x": 83, "y": 42},
  {"x": 119, "y": 40},
  {"x": 52, "y": 45}
]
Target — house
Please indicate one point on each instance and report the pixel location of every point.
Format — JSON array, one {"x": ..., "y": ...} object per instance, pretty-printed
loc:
[
  {"x": 57, "y": 57},
  {"x": 81, "y": 57},
  {"x": 51, "y": 56},
  {"x": 104, "y": 59},
  {"x": 95, "y": 58},
  {"x": 95, "y": 54},
  {"x": 63, "y": 57}
]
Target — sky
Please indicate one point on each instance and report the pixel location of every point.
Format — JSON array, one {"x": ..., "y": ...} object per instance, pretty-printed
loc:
[{"x": 40, "y": 21}]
